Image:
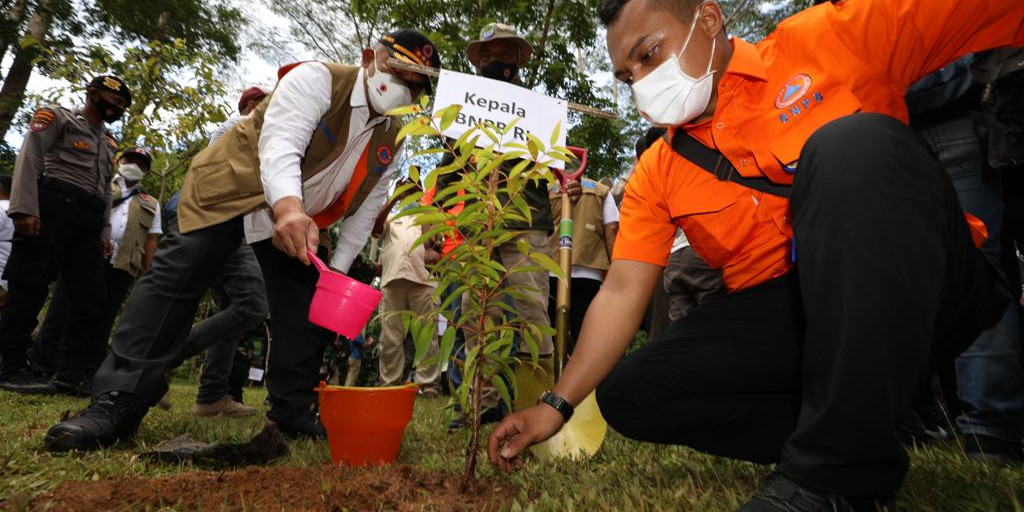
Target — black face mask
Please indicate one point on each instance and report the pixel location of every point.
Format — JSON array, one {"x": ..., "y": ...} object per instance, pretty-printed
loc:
[
  {"x": 504, "y": 71},
  {"x": 103, "y": 106}
]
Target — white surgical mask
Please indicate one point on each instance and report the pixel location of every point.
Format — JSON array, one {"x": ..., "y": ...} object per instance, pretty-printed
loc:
[
  {"x": 131, "y": 172},
  {"x": 386, "y": 91},
  {"x": 668, "y": 96}
]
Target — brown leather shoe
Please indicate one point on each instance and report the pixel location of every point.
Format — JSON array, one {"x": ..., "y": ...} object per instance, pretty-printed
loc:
[{"x": 226, "y": 406}]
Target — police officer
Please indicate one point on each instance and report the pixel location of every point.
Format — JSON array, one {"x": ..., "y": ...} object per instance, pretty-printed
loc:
[
  {"x": 60, "y": 203},
  {"x": 318, "y": 150},
  {"x": 134, "y": 228}
]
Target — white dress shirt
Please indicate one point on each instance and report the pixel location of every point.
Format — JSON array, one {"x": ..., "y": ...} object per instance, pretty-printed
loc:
[
  {"x": 6, "y": 236},
  {"x": 119, "y": 218},
  {"x": 301, "y": 99}
]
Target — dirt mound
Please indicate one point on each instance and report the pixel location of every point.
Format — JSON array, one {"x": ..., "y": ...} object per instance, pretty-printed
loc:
[{"x": 398, "y": 488}]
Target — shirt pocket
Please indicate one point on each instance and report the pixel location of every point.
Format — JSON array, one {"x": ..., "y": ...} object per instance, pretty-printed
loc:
[
  {"x": 790, "y": 142},
  {"x": 706, "y": 217},
  {"x": 79, "y": 151}
]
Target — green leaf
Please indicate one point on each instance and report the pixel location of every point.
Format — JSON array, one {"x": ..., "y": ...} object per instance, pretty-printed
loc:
[
  {"x": 448, "y": 116},
  {"x": 506, "y": 397},
  {"x": 404, "y": 110},
  {"x": 447, "y": 344},
  {"x": 548, "y": 264},
  {"x": 555, "y": 134}
]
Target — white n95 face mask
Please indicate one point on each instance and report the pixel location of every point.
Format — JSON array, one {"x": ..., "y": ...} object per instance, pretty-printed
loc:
[
  {"x": 668, "y": 96},
  {"x": 386, "y": 91},
  {"x": 131, "y": 172}
]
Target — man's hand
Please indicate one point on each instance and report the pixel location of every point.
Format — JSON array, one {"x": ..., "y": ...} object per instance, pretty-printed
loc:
[
  {"x": 108, "y": 247},
  {"x": 27, "y": 225},
  {"x": 519, "y": 431},
  {"x": 574, "y": 189},
  {"x": 294, "y": 231}
]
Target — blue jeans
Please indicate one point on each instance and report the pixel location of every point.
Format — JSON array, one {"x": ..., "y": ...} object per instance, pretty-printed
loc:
[{"x": 990, "y": 379}]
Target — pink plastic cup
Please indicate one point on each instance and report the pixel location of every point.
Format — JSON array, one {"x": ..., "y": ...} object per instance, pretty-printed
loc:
[{"x": 341, "y": 304}]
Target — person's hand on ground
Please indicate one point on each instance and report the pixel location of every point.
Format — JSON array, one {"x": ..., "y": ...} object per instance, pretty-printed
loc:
[
  {"x": 518, "y": 431},
  {"x": 574, "y": 189},
  {"x": 294, "y": 231},
  {"x": 27, "y": 225}
]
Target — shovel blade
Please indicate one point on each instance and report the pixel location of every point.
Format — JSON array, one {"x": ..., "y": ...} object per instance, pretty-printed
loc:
[
  {"x": 580, "y": 438},
  {"x": 532, "y": 380}
]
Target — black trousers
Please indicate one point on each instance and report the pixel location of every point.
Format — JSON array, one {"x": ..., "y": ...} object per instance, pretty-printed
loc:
[
  {"x": 814, "y": 370},
  {"x": 53, "y": 351},
  {"x": 69, "y": 245},
  {"x": 581, "y": 294},
  {"x": 296, "y": 346},
  {"x": 158, "y": 314}
]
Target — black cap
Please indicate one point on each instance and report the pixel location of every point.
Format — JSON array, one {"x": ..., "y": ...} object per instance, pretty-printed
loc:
[
  {"x": 113, "y": 84},
  {"x": 411, "y": 46},
  {"x": 141, "y": 153}
]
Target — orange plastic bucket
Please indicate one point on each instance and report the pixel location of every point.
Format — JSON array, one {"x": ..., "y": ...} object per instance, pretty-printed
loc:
[{"x": 365, "y": 425}]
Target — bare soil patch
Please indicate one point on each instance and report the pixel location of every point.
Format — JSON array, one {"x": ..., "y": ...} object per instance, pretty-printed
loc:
[{"x": 397, "y": 488}]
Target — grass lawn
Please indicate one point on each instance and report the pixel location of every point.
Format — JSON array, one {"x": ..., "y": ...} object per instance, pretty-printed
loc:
[{"x": 625, "y": 475}]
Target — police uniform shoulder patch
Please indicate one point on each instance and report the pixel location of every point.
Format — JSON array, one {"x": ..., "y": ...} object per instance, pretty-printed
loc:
[
  {"x": 42, "y": 119},
  {"x": 385, "y": 155},
  {"x": 111, "y": 142}
]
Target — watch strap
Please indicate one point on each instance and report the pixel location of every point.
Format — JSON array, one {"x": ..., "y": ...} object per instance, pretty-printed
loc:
[{"x": 558, "y": 403}]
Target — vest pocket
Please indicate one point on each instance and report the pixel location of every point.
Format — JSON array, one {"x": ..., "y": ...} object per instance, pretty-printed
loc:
[{"x": 214, "y": 182}]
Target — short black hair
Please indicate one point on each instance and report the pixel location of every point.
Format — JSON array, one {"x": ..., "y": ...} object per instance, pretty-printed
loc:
[{"x": 683, "y": 9}]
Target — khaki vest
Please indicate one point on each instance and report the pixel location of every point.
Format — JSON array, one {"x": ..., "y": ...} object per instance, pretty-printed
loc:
[
  {"x": 223, "y": 181},
  {"x": 588, "y": 244},
  {"x": 132, "y": 251}
]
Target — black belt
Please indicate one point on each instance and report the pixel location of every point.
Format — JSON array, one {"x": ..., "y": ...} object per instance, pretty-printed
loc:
[{"x": 75, "y": 194}]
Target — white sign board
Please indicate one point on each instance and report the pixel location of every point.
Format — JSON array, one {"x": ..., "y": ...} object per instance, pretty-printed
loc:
[
  {"x": 487, "y": 101},
  {"x": 255, "y": 374}
]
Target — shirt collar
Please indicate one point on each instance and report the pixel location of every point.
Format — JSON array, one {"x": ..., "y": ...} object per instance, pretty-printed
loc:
[
  {"x": 358, "y": 97},
  {"x": 746, "y": 61},
  {"x": 125, "y": 189}
]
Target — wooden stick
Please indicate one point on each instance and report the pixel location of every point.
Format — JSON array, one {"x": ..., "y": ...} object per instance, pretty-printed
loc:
[{"x": 424, "y": 70}]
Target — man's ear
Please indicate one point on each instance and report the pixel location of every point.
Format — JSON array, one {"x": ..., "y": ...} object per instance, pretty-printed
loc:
[{"x": 368, "y": 57}]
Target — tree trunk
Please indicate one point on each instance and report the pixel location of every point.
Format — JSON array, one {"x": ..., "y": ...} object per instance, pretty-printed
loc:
[
  {"x": 539, "y": 57},
  {"x": 13, "y": 23},
  {"x": 13, "y": 92}
]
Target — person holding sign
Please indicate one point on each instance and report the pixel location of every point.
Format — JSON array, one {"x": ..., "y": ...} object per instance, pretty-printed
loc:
[
  {"x": 778, "y": 153},
  {"x": 500, "y": 54},
  {"x": 317, "y": 151}
]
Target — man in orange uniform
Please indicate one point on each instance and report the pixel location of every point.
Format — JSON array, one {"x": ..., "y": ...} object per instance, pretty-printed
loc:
[{"x": 796, "y": 151}]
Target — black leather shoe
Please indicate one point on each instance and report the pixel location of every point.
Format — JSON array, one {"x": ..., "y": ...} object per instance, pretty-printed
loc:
[
  {"x": 306, "y": 427},
  {"x": 110, "y": 418},
  {"x": 780, "y": 494},
  {"x": 23, "y": 380},
  {"x": 72, "y": 384},
  {"x": 75, "y": 385}
]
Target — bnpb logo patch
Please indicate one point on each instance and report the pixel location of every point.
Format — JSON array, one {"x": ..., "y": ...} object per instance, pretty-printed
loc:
[
  {"x": 793, "y": 90},
  {"x": 384, "y": 154}
]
